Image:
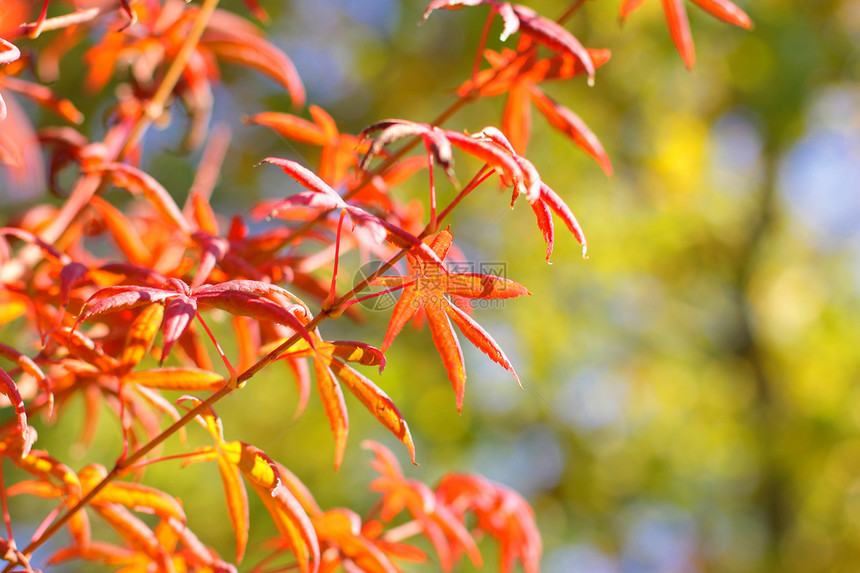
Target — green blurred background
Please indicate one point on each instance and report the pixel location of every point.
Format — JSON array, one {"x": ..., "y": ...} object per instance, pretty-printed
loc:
[{"x": 691, "y": 392}]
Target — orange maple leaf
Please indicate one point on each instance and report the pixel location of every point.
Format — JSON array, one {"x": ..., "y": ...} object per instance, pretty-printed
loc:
[{"x": 426, "y": 290}]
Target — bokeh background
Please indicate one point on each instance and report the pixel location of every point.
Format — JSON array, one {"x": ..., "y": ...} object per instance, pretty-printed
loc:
[{"x": 691, "y": 396}]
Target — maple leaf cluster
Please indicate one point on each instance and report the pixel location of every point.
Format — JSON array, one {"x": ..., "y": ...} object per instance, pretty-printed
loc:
[{"x": 118, "y": 306}]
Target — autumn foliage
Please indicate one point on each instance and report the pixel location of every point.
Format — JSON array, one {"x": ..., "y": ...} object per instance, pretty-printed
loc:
[{"x": 88, "y": 324}]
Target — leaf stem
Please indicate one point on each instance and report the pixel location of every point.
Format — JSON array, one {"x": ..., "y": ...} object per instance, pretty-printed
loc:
[
  {"x": 329, "y": 299},
  {"x": 218, "y": 348},
  {"x": 570, "y": 11},
  {"x": 379, "y": 293},
  {"x": 479, "y": 178},
  {"x": 145, "y": 463},
  {"x": 481, "y": 44}
]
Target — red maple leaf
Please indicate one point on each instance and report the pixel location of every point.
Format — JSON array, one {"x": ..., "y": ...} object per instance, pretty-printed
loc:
[
  {"x": 263, "y": 301},
  {"x": 426, "y": 290}
]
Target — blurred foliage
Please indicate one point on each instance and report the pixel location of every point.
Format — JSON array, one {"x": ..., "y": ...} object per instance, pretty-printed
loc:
[{"x": 691, "y": 392}]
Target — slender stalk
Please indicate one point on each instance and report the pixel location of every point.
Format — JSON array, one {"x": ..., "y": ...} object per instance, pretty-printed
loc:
[
  {"x": 329, "y": 299},
  {"x": 479, "y": 178},
  {"x": 181, "y": 422},
  {"x": 209, "y": 169},
  {"x": 44, "y": 24},
  {"x": 218, "y": 348},
  {"x": 379, "y": 293},
  {"x": 481, "y": 44},
  {"x": 574, "y": 8},
  {"x": 40, "y": 21},
  {"x": 47, "y": 521},
  {"x": 145, "y": 463},
  {"x": 156, "y": 105},
  {"x": 260, "y": 567}
]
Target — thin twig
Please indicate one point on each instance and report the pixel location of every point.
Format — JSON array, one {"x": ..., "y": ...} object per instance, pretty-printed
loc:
[{"x": 156, "y": 105}]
